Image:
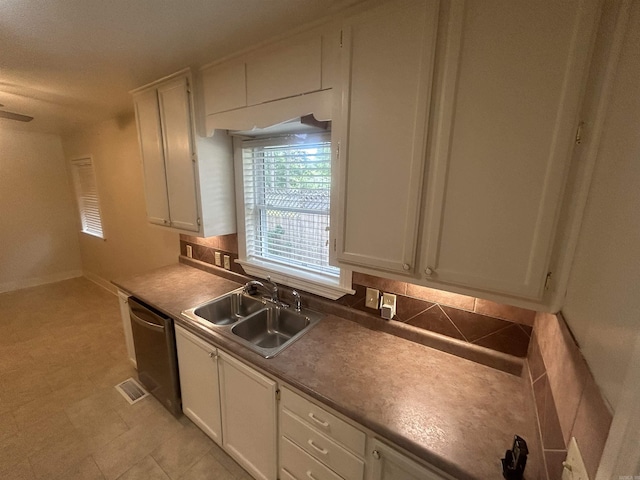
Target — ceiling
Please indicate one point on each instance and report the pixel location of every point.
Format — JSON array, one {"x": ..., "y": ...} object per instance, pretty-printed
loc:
[{"x": 71, "y": 63}]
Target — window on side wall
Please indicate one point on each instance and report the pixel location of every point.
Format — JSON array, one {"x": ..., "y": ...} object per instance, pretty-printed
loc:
[
  {"x": 84, "y": 182},
  {"x": 285, "y": 202}
]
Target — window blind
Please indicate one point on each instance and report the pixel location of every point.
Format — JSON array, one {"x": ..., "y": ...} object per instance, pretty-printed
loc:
[
  {"x": 84, "y": 180},
  {"x": 287, "y": 189}
]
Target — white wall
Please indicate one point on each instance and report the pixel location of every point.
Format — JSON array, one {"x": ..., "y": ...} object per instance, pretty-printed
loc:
[
  {"x": 602, "y": 305},
  {"x": 38, "y": 239},
  {"x": 132, "y": 245}
]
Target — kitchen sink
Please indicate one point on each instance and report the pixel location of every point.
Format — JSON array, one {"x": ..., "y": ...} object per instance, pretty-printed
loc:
[
  {"x": 261, "y": 325},
  {"x": 228, "y": 309}
]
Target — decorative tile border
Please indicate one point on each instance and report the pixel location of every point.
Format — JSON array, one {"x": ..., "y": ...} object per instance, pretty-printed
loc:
[{"x": 568, "y": 401}]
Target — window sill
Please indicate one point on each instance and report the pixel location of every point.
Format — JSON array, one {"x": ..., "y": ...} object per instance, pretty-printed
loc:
[{"x": 318, "y": 284}]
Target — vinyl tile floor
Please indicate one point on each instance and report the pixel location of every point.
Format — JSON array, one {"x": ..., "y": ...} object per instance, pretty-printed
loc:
[{"x": 62, "y": 351}]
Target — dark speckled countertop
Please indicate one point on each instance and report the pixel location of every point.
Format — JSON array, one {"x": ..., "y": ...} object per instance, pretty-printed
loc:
[{"x": 457, "y": 415}]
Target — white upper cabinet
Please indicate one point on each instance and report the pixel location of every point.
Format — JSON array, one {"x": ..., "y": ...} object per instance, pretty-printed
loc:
[
  {"x": 502, "y": 140},
  {"x": 225, "y": 86},
  {"x": 285, "y": 70},
  {"x": 175, "y": 119},
  {"x": 150, "y": 136},
  {"x": 188, "y": 179},
  {"x": 387, "y": 62}
]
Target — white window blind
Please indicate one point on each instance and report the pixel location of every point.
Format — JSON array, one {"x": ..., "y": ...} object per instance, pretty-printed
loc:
[
  {"x": 287, "y": 190},
  {"x": 84, "y": 181}
]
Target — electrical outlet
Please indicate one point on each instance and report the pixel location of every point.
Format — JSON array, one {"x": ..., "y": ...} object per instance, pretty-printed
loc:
[
  {"x": 573, "y": 466},
  {"x": 372, "y": 298},
  {"x": 218, "y": 259},
  {"x": 189, "y": 251},
  {"x": 227, "y": 262}
]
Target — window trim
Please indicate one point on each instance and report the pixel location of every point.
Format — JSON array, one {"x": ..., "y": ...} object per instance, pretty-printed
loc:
[
  {"x": 74, "y": 163},
  {"x": 325, "y": 285}
]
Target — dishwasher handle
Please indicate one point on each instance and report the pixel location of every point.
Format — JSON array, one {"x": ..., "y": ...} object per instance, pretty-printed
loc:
[{"x": 144, "y": 323}]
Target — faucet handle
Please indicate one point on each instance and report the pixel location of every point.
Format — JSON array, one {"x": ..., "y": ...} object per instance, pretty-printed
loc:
[{"x": 297, "y": 300}]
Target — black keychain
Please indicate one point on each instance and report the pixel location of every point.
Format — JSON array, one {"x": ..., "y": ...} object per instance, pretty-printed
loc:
[{"x": 515, "y": 459}]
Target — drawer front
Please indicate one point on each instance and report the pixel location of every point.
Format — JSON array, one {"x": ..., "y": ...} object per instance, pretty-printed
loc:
[
  {"x": 297, "y": 464},
  {"x": 321, "y": 447},
  {"x": 329, "y": 424}
]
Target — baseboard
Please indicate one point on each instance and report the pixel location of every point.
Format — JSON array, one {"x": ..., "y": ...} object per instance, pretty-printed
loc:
[
  {"x": 35, "y": 281},
  {"x": 101, "y": 282}
]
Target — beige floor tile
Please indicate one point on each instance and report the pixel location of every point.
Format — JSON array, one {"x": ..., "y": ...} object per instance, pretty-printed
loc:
[
  {"x": 53, "y": 460},
  {"x": 85, "y": 469},
  {"x": 207, "y": 468},
  {"x": 37, "y": 410},
  {"x": 229, "y": 463},
  {"x": 179, "y": 452},
  {"x": 8, "y": 426},
  {"x": 146, "y": 469}
]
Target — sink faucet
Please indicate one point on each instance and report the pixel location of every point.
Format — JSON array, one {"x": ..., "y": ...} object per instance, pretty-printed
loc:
[
  {"x": 297, "y": 300},
  {"x": 271, "y": 288}
]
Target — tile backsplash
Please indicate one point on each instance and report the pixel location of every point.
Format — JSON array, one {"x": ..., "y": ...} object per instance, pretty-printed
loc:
[
  {"x": 568, "y": 401},
  {"x": 498, "y": 327}
]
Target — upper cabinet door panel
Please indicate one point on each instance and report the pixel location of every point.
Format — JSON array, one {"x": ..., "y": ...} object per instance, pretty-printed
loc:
[
  {"x": 225, "y": 87},
  {"x": 387, "y": 63},
  {"x": 511, "y": 127},
  {"x": 150, "y": 138},
  {"x": 285, "y": 70},
  {"x": 175, "y": 112}
]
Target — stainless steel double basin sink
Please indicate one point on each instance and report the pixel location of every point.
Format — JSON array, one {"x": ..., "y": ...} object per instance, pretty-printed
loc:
[{"x": 258, "y": 324}]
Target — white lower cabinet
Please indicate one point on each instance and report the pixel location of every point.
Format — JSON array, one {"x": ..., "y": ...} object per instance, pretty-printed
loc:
[
  {"x": 249, "y": 425},
  {"x": 123, "y": 300},
  {"x": 389, "y": 464},
  {"x": 198, "y": 364}
]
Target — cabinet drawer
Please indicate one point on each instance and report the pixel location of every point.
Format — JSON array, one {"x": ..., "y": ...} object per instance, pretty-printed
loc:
[
  {"x": 324, "y": 449},
  {"x": 297, "y": 464},
  {"x": 329, "y": 424}
]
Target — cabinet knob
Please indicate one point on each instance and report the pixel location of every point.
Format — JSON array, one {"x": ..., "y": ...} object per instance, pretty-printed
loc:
[
  {"x": 213, "y": 355},
  {"x": 406, "y": 266},
  {"x": 428, "y": 271},
  {"x": 376, "y": 454}
]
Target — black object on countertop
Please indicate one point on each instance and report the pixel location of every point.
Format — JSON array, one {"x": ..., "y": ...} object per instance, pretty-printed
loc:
[{"x": 515, "y": 459}]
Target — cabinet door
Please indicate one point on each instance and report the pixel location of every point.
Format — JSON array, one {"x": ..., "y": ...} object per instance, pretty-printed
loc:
[
  {"x": 151, "y": 150},
  {"x": 507, "y": 104},
  {"x": 225, "y": 87},
  {"x": 285, "y": 70},
  {"x": 198, "y": 367},
  {"x": 123, "y": 300},
  {"x": 248, "y": 401},
  {"x": 177, "y": 136},
  {"x": 387, "y": 61},
  {"x": 387, "y": 464}
]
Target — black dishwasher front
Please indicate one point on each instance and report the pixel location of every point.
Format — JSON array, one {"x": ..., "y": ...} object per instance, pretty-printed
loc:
[{"x": 155, "y": 345}]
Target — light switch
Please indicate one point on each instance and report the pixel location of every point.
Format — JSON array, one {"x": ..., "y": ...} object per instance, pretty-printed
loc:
[
  {"x": 218, "y": 259},
  {"x": 189, "y": 251},
  {"x": 372, "y": 298},
  {"x": 227, "y": 262}
]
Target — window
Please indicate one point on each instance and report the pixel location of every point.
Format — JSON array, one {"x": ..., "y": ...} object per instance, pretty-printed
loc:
[
  {"x": 84, "y": 182},
  {"x": 287, "y": 195}
]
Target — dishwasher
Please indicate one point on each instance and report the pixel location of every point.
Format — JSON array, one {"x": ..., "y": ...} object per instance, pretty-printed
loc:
[{"x": 155, "y": 345}]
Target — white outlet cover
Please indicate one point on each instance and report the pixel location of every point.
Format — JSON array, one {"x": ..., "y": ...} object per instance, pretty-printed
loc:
[
  {"x": 372, "y": 298},
  {"x": 227, "y": 262},
  {"x": 189, "y": 251},
  {"x": 218, "y": 259},
  {"x": 574, "y": 468}
]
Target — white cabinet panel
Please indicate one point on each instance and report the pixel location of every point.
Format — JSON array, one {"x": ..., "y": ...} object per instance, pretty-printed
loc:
[
  {"x": 387, "y": 61},
  {"x": 151, "y": 150},
  {"x": 296, "y": 463},
  {"x": 123, "y": 300},
  {"x": 175, "y": 118},
  {"x": 388, "y": 464},
  {"x": 249, "y": 426},
  {"x": 198, "y": 367},
  {"x": 225, "y": 87},
  {"x": 285, "y": 70},
  {"x": 504, "y": 140}
]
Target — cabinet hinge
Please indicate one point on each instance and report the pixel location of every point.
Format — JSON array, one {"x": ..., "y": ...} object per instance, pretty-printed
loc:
[
  {"x": 341, "y": 38},
  {"x": 194, "y": 157},
  {"x": 198, "y": 221},
  {"x": 278, "y": 395},
  {"x": 188, "y": 87},
  {"x": 338, "y": 151},
  {"x": 547, "y": 281},
  {"x": 335, "y": 246},
  {"x": 579, "y": 133}
]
